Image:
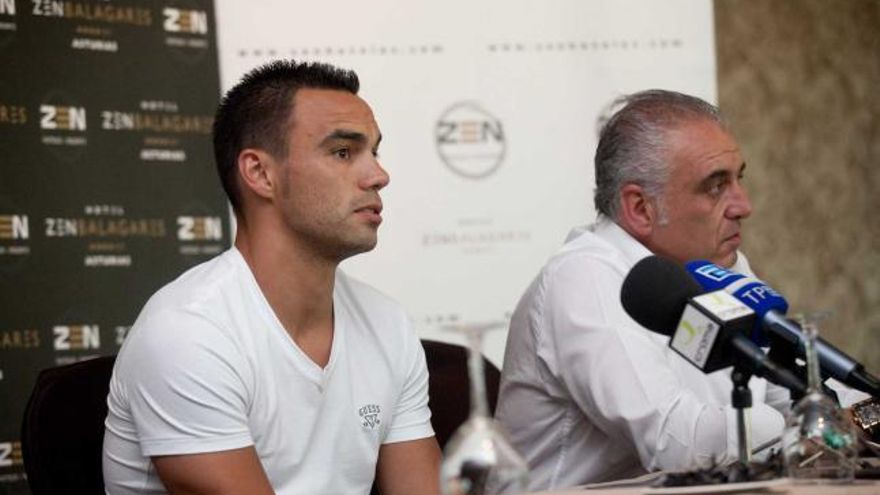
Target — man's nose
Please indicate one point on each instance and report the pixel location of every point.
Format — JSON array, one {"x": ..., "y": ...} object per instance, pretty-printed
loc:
[
  {"x": 740, "y": 206},
  {"x": 377, "y": 178}
]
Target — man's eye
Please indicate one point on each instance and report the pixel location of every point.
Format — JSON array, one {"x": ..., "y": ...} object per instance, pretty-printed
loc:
[
  {"x": 343, "y": 153},
  {"x": 715, "y": 188}
]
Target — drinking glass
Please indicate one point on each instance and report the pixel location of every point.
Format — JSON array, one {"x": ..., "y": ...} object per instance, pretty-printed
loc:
[
  {"x": 819, "y": 442},
  {"x": 479, "y": 459}
]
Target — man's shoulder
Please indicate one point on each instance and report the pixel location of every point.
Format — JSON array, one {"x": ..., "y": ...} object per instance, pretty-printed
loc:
[
  {"x": 586, "y": 249},
  {"x": 191, "y": 304},
  {"x": 198, "y": 284},
  {"x": 588, "y": 265}
]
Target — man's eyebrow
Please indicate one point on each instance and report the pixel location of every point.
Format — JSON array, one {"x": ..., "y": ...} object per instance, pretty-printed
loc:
[
  {"x": 720, "y": 174},
  {"x": 346, "y": 135}
]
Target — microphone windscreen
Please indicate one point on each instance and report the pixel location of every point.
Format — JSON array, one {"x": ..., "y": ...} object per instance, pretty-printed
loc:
[{"x": 655, "y": 292}]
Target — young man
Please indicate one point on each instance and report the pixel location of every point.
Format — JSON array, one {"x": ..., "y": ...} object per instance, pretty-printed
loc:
[
  {"x": 266, "y": 370},
  {"x": 586, "y": 393}
]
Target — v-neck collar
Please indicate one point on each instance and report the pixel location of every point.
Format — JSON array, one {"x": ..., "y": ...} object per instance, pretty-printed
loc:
[{"x": 300, "y": 359}]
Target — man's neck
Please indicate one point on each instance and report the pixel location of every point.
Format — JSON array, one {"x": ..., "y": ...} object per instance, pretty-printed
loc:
[{"x": 297, "y": 284}]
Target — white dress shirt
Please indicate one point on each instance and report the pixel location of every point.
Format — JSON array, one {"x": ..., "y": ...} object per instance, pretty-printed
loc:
[{"x": 588, "y": 395}]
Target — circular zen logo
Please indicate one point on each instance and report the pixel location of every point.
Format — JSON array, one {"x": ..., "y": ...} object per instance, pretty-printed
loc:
[{"x": 470, "y": 140}]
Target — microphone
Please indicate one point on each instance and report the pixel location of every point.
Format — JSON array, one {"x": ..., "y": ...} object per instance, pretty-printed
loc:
[
  {"x": 707, "y": 329},
  {"x": 771, "y": 324}
]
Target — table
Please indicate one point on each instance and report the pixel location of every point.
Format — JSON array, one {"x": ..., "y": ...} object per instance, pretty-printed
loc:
[{"x": 859, "y": 487}]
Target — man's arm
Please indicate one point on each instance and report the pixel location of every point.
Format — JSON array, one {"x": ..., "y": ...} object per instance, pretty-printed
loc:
[
  {"x": 231, "y": 472},
  {"x": 409, "y": 467},
  {"x": 629, "y": 384}
]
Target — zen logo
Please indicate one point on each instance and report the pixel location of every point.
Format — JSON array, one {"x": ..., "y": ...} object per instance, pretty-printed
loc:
[
  {"x": 470, "y": 140},
  {"x": 62, "y": 118},
  {"x": 48, "y": 8},
  {"x": 76, "y": 337},
  {"x": 7, "y": 7},
  {"x": 199, "y": 228},
  {"x": 14, "y": 227},
  {"x": 10, "y": 454},
  {"x": 476, "y": 131},
  {"x": 185, "y": 21}
]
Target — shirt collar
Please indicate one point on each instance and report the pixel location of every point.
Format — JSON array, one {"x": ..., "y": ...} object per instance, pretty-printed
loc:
[{"x": 632, "y": 250}]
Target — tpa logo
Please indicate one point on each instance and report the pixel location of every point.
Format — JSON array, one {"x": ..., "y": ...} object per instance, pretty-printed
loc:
[
  {"x": 760, "y": 293},
  {"x": 64, "y": 118},
  {"x": 199, "y": 228},
  {"x": 470, "y": 140},
  {"x": 185, "y": 21},
  {"x": 14, "y": 227},
  {"x": 10, "y": 454},
  {"x": 76, "y": 337},
  {"x": 7, "y": 7},
  {"x": 715, "y": 272}
]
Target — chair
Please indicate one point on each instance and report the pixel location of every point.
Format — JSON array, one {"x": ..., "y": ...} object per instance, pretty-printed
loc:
[
  {"x": 449, "y": 389},
  {"x": 63, "y": 430}
]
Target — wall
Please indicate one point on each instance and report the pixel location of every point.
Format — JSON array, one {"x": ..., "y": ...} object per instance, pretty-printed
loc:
[
  {"x": 798, "y": 80},
  {"x": 489, "y": 126},
  {"x": 107, "y": 184}
]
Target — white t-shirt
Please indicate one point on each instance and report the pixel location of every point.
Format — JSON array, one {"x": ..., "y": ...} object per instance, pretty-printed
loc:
[
  {"x": 208, "y": 367},
  {"x": 588, "y": 395}
]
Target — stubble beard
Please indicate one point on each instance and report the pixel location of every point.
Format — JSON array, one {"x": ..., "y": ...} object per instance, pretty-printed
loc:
[{"x": 340, "y": 244}]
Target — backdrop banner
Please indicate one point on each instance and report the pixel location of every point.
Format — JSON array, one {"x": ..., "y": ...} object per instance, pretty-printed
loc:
[
  {"x": 107, "y": 185},
  {"x": 488, "y": 112}
]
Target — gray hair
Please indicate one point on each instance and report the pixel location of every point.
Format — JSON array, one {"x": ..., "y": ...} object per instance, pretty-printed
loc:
[{"x": 632, "y": 143}]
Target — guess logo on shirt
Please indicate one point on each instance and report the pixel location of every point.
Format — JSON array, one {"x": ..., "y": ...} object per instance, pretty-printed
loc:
[{"x": 369, "y": 415}]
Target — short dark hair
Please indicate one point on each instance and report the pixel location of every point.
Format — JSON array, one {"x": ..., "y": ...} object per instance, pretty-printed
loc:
[
  {"x": 256, "y": 112},
  {"x": 632, "y": 142}
]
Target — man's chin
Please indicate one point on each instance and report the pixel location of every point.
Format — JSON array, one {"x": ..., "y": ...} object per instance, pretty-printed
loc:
[
  {"x": 357, "y": 247},
  {"x": 726, "y": 260}
]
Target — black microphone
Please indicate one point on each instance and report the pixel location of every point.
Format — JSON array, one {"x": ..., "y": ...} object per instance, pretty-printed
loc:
[
  {"x": 770, "y": 307},
  {"x": 710, "y": 330}
]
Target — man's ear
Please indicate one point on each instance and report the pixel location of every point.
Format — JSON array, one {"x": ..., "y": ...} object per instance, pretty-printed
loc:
[
  {"x": 255, "y": 169},
  {"x": 638, "y": 212}
]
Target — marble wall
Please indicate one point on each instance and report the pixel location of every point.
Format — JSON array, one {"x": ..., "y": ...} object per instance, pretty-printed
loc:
[{"x": 799, "y": 81}]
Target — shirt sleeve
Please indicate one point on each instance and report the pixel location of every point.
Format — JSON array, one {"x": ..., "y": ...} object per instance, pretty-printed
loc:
[
  {"x": 624, "y": 379},
  {"x": 181, "y": 376},
  {"x": 412, "y": 417}
]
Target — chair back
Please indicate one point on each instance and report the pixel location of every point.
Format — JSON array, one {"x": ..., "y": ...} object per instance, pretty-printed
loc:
[
  {"x": 63, "y": 429},
  {"x": 449, "y": 387}
]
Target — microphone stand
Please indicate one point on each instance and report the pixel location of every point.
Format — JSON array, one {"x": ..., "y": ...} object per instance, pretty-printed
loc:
[{"x": 741, "y": 399}]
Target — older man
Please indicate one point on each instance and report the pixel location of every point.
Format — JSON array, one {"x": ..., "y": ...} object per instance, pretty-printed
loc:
[
  {"x": 587, "y": 394},
  {"x": 266, "y": 370}
]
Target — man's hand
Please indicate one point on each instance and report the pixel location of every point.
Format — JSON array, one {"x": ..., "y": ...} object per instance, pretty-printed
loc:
[
  {"x": 232, "y": 472},
  {"x": 409, "y": 467}
]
